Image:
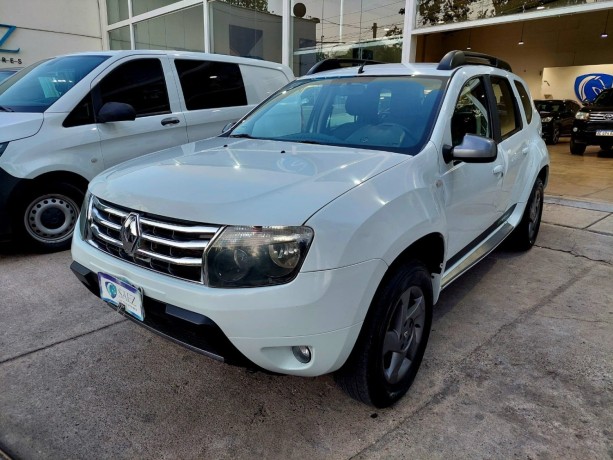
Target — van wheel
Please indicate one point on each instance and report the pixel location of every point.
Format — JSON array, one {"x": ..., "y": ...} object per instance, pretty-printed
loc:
[
  {"x": 524, "y": 235},
  {"x": 48, "y": 216},
  {"x": 577, "y": 149},
  {"x": 389, "y": 351}
]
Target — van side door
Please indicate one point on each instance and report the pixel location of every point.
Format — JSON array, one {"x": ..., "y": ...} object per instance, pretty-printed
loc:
[
  {"x": 142, "y": 82},
  {"x": 212, "y": 94}
]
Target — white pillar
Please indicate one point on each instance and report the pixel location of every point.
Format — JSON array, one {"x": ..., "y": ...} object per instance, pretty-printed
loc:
[
  {"x": 409, "y": 41},
  {"x": 208, "y": 26},
  {"x": 287, "y": 42}
]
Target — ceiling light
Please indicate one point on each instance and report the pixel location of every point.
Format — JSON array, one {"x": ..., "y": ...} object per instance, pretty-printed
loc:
[
  {"x": 604, "y": 33},
  {"x": 521, "y": 39}
]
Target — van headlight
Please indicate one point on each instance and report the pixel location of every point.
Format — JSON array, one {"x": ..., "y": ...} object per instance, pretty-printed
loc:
[
  {"x": 256, "y": 256},
  {"x": 547, "y": 119}
]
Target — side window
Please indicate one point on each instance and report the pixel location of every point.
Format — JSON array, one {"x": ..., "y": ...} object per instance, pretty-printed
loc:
[
  {"x": 507, "y": 107},
  {"x": 471, "y": 114},
  {"x": 210, "y": 85},
  {"x": 82, "y": 114},
  {"x": 525, "y": 100},
  {"x": 139, "y": 83}
]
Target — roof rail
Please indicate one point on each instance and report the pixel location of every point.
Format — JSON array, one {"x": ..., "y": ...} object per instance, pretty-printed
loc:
[
  {"x": 332, "y": 64},
  {"x": 454, "y": 59}
]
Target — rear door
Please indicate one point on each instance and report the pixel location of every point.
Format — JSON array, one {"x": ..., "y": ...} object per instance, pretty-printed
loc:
[{"x": 142, "y": 82}]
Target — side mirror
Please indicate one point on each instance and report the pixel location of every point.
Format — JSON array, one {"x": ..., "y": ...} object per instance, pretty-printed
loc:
[
  {"x": 116, "y": 111},
  {"x": 473, "y": 149}
]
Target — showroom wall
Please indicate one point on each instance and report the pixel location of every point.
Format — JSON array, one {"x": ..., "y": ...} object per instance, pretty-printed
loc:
[{"x": 38, "y": 29}]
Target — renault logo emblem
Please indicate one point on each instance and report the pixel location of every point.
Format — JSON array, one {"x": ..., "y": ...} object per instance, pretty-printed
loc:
[{"x": 130, "y": 233}]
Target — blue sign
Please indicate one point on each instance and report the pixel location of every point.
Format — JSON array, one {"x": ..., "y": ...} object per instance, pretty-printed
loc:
[
  {"x": 590, "y": 85},
  {"x": 5, "y": 37}
]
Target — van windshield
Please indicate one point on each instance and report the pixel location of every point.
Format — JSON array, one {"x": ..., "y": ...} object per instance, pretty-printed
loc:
[
  {"x": 393, "y": 113},
  {"x": 37, "y": 87}
]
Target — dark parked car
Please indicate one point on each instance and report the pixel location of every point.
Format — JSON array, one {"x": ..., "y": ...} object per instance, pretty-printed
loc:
[
  {"x": 557, "y": 116},
  {"x": 594, "y": 124}
]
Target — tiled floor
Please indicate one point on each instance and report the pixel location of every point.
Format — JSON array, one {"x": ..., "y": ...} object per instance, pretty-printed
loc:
[{"x": 588, "y": 177}]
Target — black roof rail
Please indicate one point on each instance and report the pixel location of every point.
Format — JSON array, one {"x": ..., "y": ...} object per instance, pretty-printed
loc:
[
  {"x": 333, "y": 64},
  {"x": 454, "y": 59}
]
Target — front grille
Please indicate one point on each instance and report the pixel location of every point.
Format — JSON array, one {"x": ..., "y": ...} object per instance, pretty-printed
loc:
[
  {"x": 602, "y": 116},
  {"x": 166, "y": 246}
]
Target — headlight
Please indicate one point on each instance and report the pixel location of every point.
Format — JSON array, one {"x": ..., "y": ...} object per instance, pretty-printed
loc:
[
  {"x": 3, "y": 146},
  {"x": 256, "y": 256},
  {"x": 547, "y": 119},
  {"x": 582, "y": 116},
  {"x": 85, "y": 216}
]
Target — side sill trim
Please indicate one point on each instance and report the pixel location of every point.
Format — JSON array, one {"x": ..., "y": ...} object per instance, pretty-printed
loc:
[{"x": 497, "y": 237}]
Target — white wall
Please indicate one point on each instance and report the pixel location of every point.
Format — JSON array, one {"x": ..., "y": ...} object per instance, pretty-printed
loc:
[
  {"x": 559, "y": 82},
  {"x": 47, "y": 28}
]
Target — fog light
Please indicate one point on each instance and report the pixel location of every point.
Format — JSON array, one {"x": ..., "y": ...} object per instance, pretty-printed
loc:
[
  {"x": 302, "y": 353},
  {"x": 575, "y": 130}
]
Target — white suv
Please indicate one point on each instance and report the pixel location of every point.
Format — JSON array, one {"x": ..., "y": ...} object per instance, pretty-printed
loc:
[{"x": 317, "y": 234}]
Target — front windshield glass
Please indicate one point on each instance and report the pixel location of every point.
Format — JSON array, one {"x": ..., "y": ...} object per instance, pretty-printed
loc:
[
  {"x": 605, "y": 98},
  {"x": 548, "y": 106},
  {"x": 37, "y": 87},
  {"x": 381, "y": 113}
]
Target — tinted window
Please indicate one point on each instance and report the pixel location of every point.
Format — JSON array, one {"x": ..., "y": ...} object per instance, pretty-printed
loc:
[
  {"x": 139, "y": 83},
  {"x": 209, "y": 85},
  {"x": 507, "y": 108},
  {"x": 604, "y": 98},
  {"x": 525, "y": 100},
  {"x": 82, "y": 114},
  {"x": 471, "y": 114},
  {"x": 37, "y": 87}
]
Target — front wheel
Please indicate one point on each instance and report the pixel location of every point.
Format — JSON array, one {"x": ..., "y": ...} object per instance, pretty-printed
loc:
[
  {"x": 389, "y": 351},
  {"x": 524, "y": 235},
  {"x": 577, "y": 149},
  {"x": 48, "y": 216}
]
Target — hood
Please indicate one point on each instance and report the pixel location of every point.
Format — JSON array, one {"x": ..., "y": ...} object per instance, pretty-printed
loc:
[
  {"x": 17, "y": 125},
  {"x": 240, "y": 181}
]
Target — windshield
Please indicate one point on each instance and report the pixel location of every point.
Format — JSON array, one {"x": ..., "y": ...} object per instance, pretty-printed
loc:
[
  {"x": 548, "y": 106},
  {"x": 380, "y": 113},
  {"x": 605, "y": 98},
  {"x": 35, "y": 88}
]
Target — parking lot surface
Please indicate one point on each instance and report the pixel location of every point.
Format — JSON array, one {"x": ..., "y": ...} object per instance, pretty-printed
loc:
[{"x": 520, "y": 363}]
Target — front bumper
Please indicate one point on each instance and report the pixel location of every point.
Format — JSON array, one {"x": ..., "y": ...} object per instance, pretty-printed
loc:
[
  {"x": 585, "y": 133},
  {"x": 9, "y": 186},
  {"x": 323, "y": 310}
]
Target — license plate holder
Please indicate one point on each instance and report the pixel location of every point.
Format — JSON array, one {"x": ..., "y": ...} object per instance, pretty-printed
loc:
[
  {"x": 605, "y": 132},
  {"x": 122, "y": 294}
]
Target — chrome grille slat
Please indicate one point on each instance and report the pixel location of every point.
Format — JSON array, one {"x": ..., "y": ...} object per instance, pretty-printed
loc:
[
  {"x": 601, "y": 116},
  {"x": 168, "y": 247},
  {"x": 202, "y": 244},
  {"x": 184, "y": 261}
]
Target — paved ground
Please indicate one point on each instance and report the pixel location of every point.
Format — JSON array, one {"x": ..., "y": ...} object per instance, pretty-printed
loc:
[{"x": 519, "y": 364}]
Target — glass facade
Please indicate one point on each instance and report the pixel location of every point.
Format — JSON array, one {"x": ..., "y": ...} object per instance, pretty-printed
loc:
[
  {"x": 119, "y": 39},
  {"x": 346, "y": 29},
  {"x": 181, "y": 30},
  {"x": 144, "y": 6},
  {"x": 116, "y": 10}
]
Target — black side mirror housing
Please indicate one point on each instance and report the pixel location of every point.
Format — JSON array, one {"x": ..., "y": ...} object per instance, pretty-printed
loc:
[
  {"x": 116, "y": 111},
  {"x": 472, "y": 149}
]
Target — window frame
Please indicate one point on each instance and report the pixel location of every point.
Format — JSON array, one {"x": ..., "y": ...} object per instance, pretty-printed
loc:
[
  {"x": 519, "y": 86},
  {"x": 518, "y": 120}
]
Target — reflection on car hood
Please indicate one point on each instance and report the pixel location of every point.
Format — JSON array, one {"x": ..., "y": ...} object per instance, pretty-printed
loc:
[
  {"x": 241, "y": 181},
  {"x": 17, "y": 125}
]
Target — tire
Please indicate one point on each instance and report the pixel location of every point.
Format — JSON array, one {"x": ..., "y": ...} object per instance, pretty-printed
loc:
[
  {"x": 577, "y": 149},
  {"x": 606, "y": 147},
  {"x": 555, "y": 136},
  {"x": 393, "y": 339},
  {"x": 46, "y": 216},
  {"x": 524, "y": 235}
]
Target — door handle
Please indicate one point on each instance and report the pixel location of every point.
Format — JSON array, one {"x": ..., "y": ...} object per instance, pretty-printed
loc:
[
  {"x": 170, "y": 121},
  {"x": 498, "y": 170}
]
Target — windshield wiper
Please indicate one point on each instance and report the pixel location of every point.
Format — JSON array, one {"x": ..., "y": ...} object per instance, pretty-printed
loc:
[
  {"x": 244, "y": 136},
  {"x": 5, "y": 109}
]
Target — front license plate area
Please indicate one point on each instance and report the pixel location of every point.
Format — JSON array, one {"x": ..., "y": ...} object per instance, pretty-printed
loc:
[
  {"x": 605, "y": 132},
  {"x": 122, "y": 295}
]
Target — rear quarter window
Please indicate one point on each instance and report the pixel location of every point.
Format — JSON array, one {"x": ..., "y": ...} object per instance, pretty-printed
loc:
[{"x": 525, "y": 101}]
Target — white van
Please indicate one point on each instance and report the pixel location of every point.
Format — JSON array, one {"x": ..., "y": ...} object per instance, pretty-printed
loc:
[{"x": 66, "y": 119}]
